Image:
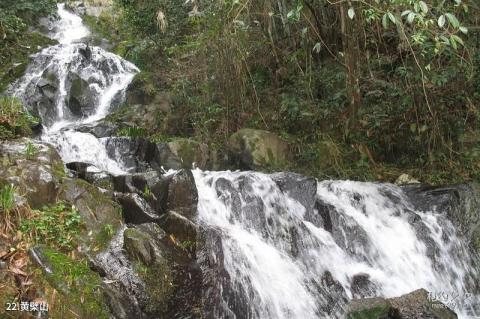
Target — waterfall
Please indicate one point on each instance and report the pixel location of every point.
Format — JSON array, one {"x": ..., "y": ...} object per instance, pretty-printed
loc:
[
  {"x": 276, "y": 246},
  {"x": 72, "y": 84}
]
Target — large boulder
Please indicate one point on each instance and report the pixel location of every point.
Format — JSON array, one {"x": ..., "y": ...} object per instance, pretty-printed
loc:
[
  {"x": 416, "y": 304},
  {"x": 35, "y": 168},
  {"x": 252, "y": 149},
  {"x": 82, "y": 99}
]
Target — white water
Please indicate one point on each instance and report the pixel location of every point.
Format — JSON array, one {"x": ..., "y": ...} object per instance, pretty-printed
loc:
[
  {"x": 258, "y": 255},
  {"x": 271, "y": 251},
  {"x": 107, "y": 76}
]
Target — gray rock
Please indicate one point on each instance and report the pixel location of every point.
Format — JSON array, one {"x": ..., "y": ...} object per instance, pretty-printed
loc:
[{"x": 252, "y": 149}]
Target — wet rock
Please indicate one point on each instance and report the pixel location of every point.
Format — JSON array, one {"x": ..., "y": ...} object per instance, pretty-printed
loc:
[
  {"x": 252, "y": 149},
  {"x": 301, "y": 188},
  {"x": 136, "y": 209},
  {"x": 164, "y": 158},
  {"x": 91, "y": 174},
  {"x": 36, "y": 173},
  {"x": 362, "y": 287},
  {"x": 410, "y": 306},
  {"x": 461, "y": 203},
  {"x": 179, "y": 226},
  {"x": 82, "y": 98},
  {"x": 182, "y": 194},
  {"x": 138, "y": 246},
  {"x": 99, "y": 129},
  {"x": 97, "y": 210},
  {"x": 133, "y": 153}
]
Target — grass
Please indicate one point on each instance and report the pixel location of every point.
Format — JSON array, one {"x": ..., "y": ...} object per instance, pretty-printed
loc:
[
  {"x": 30, "y": 150},
  {"x": 14, "y": 120},
  {"x": 56, "y": 225},
  {"x": 7, "y": 197}
]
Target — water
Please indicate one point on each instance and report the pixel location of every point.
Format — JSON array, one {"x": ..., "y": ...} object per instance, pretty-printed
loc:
[
  {"x": 57, "y": 73},
  {"x": 278, "y": 253},
  {"x": 282, "y": 254}
]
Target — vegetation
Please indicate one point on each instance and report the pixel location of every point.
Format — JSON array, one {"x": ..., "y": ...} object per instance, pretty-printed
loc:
[
  {"x": 56, "y": 225},
  {"x": 14, "y": 120},
  {"x": 17, "y": 42},
  {"x": 373, "y": 88}
]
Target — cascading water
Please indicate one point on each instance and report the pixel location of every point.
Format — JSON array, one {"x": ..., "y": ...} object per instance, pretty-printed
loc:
[
  {"x": 72, "y": 84},
  {"x": 275, "y": 246},
  {"x": 277, "y": 249}
]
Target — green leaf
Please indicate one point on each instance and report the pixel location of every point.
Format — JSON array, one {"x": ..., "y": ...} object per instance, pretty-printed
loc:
[
  {"x": 385, "y": 21},
  {"x": 404, "y": 13},
  {"x": 413, "y": 127},
  {"x": 317, "y": 47},
  {"x": 423, "y": 6},
  {"x": 441, "y": 21},
  {"x": 464, "y": 30},
  {"x": 410, "y": 17},
  {"x": 457, "y": 39},
  {"x": 392, "y": 17},
  {"x": 453, "y": 20},
  {"x": 351, "y": 13}
]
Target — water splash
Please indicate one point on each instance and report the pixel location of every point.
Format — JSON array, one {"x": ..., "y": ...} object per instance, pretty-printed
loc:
[{"x": 277, "y": 251}]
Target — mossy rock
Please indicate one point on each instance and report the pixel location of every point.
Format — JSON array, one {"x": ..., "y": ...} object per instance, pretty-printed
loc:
[
  {"x": 138, "y": 245},
  {"x": 190, "y": 152},
  {"x": 253, "y": 149},
  {"x": 34, "y": 168},
  {"x": 79, "y": 286},
  {"x": 102, "y": 216}
]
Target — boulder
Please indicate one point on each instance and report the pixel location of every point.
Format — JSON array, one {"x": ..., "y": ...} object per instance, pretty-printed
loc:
[
  {"x": 416, "y": 304},
  {"x": 190, "y": 153},
  {"x": 91, "y": 174},
  {"x": 82, "y": 98},
  {"x": 35, "y": 168},
  {"x": 139, "y": 246},
  {"x": 136, "y": 209},
  {"x": 99, "y": 213},
  {"x": 182, "y": 194},
  {"x": 253, "y": 149}
]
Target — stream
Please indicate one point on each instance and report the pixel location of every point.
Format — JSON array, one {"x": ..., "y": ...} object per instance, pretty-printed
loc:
[{"x": 282, "y": 245}]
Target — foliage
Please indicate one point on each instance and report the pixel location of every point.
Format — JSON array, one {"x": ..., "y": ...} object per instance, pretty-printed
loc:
[
  {"x": 7, "y": 197},
  {"x": 30, "y": 150},
  {"x": 14, "y": 121},
  {"x": 132, "y": 131},
  {"x": 78, "y": 284},
  {"x": 56, "y": 225}
]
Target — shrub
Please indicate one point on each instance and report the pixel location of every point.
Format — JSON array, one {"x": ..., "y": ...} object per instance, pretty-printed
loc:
[{"x": 14, "y": 121}]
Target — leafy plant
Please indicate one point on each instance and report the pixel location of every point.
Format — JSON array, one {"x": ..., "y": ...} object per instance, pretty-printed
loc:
[
  {"x": 7, "y": 197},
  {"x": 14, "y": 121},
  {"x": 56, "y": 225},
  {"x": 30, "y": 150},
  {"x": 133, "y": 131}
]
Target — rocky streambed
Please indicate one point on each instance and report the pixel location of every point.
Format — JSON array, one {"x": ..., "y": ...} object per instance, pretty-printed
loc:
[{"x": 171, "y": 241}]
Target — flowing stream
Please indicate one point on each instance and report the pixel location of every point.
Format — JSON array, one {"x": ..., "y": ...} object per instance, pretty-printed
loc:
[{"x": 286, "y": 252}]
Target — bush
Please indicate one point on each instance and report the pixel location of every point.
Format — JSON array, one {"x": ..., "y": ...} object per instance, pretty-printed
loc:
[{"x": 14, "y": 121}]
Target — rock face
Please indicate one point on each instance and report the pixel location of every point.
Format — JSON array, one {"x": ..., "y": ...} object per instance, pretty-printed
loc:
[
  {"x": 460, "y": 202},
  {"x": 410, "y": 306},
  {"x": 252, "y": 149}
]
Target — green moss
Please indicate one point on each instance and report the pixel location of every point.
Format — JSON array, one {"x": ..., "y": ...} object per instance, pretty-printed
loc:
[
  {"x": 14, "y": 120},
  {"x": 14, "y": 58},
  {"x": 373, "y": 313},
  {"x": 104, "y": 236},
  {"x": 78, "y": 284},
  {"x": 159, "y": 285}
]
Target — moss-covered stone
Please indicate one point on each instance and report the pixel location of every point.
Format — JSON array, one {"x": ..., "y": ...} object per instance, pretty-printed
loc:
[
  {"x": 158, "y": 279},
  {"x": 190, "y": 152},
  {"x": 258, "y": 149},
  {"x": 79, "y": 286},
  {"x": 97, "y": 211},
  {"x": 138, "y": 245}
]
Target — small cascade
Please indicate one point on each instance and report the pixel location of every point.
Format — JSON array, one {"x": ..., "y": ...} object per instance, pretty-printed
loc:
[
  {"x": 280, "y": 246},
  {"x": 71, "y": 84}
]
